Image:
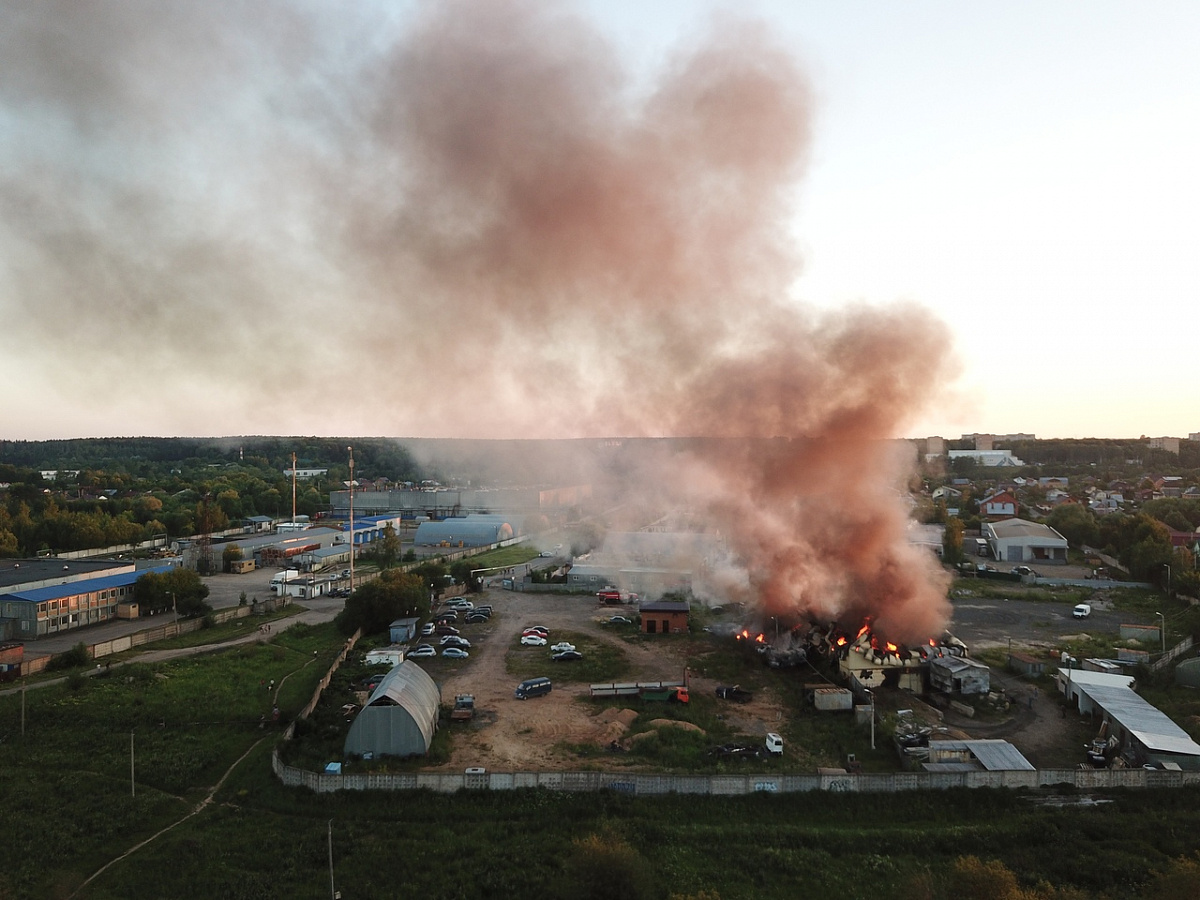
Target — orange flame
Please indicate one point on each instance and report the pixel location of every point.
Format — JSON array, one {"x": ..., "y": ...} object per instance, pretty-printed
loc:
[
  {"x": 891, "y": 648},
  {"x": 932, "y": 642},
  {"x": 760, "y": 639},
  {"x": 841, "y": 642}
]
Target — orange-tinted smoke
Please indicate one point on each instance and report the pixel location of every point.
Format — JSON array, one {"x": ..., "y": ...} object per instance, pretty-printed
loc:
[{"x": 478, "y": 224}]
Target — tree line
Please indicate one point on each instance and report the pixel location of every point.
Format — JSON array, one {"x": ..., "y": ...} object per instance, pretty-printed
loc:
[{"x": 117, "y": 491}]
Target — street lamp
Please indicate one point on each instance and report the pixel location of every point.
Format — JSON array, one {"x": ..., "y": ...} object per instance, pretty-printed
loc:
[
  {"x": 1167, "y": 566},
  {"x": 1162, "y": 631}
]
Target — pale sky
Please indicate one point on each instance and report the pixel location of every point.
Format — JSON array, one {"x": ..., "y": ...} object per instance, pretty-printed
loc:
[
  {"x": 1025, "y": 171},
  {"x": 1029, "y": 171}
]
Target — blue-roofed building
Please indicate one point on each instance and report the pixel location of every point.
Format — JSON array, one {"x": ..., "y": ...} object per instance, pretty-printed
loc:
[
  {"x": 33, "y": 612},
  {"x": 472, "y": 531}
]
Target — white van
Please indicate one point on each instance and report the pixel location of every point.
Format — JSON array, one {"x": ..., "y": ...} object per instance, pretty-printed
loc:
[
  {"x": 774, "y": 744},
  {"x": 1082, "y": 611}
]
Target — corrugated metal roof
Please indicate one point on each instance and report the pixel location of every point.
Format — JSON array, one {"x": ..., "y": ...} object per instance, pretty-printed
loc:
[
  {"x": 993, "y": 755},
  {"x": 1151, "y": 726},
  {"x": 400, "y": 716},
  {"x": 87, "y": 586},
  {"x": 956, "y": 664}
]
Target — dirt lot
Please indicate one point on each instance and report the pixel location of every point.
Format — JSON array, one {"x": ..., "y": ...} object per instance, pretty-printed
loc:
[{"x": 510, "y": 734}]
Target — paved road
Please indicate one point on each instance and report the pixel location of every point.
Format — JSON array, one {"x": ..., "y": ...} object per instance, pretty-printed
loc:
[
  {"x": 983, "y": 622},
  {"x": 223, "y": 591}
]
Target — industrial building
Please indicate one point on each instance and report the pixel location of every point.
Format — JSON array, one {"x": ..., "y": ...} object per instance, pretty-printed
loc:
[
  {"x": 40, "y": 597},
  {"x": 959, "y": 675},
  {"x": 975, "y": 756},
  {"x": 1132, "y": 729},
  {"x": 471, "y": 531},
  {"x": 1019, "y": 541},
  {"x": 399, "y": 718}
]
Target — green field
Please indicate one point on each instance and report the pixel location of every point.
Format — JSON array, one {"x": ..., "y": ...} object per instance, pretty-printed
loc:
[{"x": 65, "y": 782}]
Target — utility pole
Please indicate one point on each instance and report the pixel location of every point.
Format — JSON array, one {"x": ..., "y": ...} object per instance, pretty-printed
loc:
[
  {"x": 350, "y": 450},
  {"x": 332, "y": 890},
  {"x": 293, "y": 489},
  {"x": 132, "y": 789}
]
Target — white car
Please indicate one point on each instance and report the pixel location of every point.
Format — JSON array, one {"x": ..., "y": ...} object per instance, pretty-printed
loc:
[
  {"x": 421, "y": 650},
  {"x": 461, "y": 605},
  {"x": 455, "y": 653},
  {"x": 533, "y": 640},
  {"x": 561, "y": 646}
]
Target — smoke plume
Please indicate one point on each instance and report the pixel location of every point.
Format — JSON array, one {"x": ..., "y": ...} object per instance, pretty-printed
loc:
[{"x": 472, "y": 220}]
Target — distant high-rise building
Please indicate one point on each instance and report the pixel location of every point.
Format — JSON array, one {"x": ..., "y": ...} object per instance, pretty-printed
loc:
[
  {"x": 935, "y": 446},
  {"x": 1170, "y": 444}
]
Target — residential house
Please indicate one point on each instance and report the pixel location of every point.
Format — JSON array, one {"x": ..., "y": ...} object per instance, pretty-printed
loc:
[{"x": 1001, "y": 505}]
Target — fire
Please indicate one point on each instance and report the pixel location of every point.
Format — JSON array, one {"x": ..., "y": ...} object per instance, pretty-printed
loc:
[
  {"x": 891, "y": 648},
  {"x": 841, "y": 642},
  {"x": 932, "y": 642},
  {"x": 761, "y": 639}
]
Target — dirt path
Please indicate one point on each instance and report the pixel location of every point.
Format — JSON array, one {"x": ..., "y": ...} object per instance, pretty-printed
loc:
[{"x": 199, "y": 807}]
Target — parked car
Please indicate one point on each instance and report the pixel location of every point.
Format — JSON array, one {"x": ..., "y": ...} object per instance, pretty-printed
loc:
[
  {"x": 459, "y": 604},
  {"x": 444, "y": 618},
  {"x": 475, "y": 619},
  {"x": 567, "y": 656},
  {"x": 533, "y": 640},
  {"x": 453, "y": 640},
  {"x": 561, "y": 646},
  {"x": 734, "y": 693},
  {"x": 620, "y": 620},
  {"x": 422, "y": 650},
  {"x": 446, "y": 629},
  {"x": 540, "y": 629},
  {"x": 486, "y": 607},
  {"x": 455, "y": 653},
  {"x": 427, "y": 629}
]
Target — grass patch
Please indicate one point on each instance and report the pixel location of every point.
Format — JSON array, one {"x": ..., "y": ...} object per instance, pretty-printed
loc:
[
  {"x": 601, "y": 661},
  {"x": 503, "y": 556}
]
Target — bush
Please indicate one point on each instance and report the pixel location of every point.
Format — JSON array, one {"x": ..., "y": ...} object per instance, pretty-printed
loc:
[{"x": 74, "y": 658}]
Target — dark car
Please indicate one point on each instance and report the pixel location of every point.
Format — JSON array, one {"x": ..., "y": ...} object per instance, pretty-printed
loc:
[
  {"x": 476, "y": 618},
  {"x": 445, "y": 629},
  {"x": 445, "y": 618},
  {"x": 452, "y": 640},
  {"x": 567, "y": 656},
  {"x": 734, "y": 693}
]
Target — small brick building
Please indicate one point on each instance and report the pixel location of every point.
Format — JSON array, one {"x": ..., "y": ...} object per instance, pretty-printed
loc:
[{"x": 664, "y": 617}]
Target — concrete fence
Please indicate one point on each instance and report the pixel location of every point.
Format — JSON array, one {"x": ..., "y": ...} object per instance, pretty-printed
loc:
[{"x": 732, "y": 785}]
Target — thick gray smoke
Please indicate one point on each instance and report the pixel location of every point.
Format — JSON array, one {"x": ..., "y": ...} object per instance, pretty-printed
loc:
[{"x": 473, "y": 222}]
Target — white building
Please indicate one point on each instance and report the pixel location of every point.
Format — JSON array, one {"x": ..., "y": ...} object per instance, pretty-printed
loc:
[{"x": 1019, "y": 541}]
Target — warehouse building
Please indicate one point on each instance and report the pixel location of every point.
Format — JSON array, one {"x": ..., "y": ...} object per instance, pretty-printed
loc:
[
  {"x": 399, "y": 718},
  {"x": 471, "y": 531},
  {"x": 1019, "y": 541}
]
